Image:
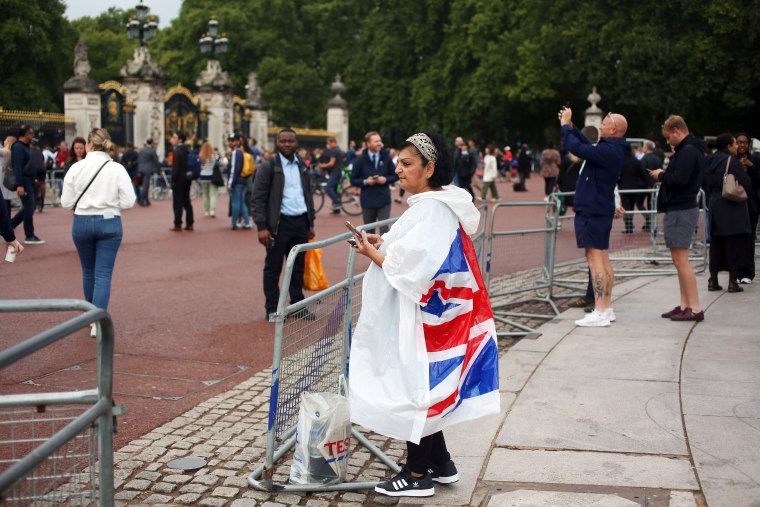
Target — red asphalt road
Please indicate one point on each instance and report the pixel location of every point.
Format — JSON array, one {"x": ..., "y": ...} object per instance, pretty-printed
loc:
[{"x": 188, "y": 307}]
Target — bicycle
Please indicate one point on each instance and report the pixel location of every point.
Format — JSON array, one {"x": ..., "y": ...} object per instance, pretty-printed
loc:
[
  {"x": 318, "y": 182},
  {"x": 349, "y": 194}
]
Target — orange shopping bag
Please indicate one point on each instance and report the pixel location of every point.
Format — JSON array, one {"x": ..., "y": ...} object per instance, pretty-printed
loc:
[{"x": 314, "y": 277}]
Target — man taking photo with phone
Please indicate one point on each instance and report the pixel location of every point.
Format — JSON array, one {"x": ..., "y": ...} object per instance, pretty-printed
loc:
[{"x": 594, "y": 203}]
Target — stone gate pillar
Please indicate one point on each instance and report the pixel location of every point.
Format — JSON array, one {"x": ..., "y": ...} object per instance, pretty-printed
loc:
[
  {"x": 144, "y": 81},
  {"x": 81, "y": 96},
  {"x": 593, "y": 113},
  {"x": 259, "y": 121},
  {"x": 215, "y": 92},
  {"x": 337, "y": 114}
]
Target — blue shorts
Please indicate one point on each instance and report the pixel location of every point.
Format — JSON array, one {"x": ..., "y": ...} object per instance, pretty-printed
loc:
[{"x": 593, "y": 231}]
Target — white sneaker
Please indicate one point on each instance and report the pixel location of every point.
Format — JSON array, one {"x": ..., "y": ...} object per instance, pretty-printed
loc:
[
  {"x": 609, "y": 313},
  {"x": 745, "y": 281},
  {"x": 594, "y": 319}
]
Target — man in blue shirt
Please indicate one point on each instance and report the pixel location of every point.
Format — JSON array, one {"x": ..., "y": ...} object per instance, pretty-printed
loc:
[
  {"x": 283, "y": 211},
  {"x": 594, "y": 203}
]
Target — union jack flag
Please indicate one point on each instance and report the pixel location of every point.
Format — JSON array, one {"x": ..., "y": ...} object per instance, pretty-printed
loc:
[{"x": 460, "y": 335}]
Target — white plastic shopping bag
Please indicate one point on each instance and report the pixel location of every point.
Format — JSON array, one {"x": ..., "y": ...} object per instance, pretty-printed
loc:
[{"x": 323, "y": 438}]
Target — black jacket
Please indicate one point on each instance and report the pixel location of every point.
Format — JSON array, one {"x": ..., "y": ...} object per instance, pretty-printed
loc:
[
  {"x": 268, "y": 189},
  {"x": 179, "y": 163},
  {"x": 680, "y": 183},
  {"x": 465, "y": 163},
  {"x": 633, "y": 176},
  {"x": 374, "y": 196},
  {"x": 727, "y": 217}
]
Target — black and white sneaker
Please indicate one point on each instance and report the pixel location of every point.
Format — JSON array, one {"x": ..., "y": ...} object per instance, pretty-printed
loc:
[
  {"x": 34, "y": 240},
  {"x": 444, "y": 474},
  {"x": 406, "y": 485}
]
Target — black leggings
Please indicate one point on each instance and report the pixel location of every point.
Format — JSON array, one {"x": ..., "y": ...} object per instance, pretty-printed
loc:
[{"x": 430, "y": 451}]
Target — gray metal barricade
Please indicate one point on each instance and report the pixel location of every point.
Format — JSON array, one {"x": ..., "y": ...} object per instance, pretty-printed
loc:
[
  {"x": 637, "y": 246},
  {"x": 311, "y": 348},
  {"x": 58, "y": 446},
  {"x": 519, "y": 261},
  {"x": 480, "y": 239}
]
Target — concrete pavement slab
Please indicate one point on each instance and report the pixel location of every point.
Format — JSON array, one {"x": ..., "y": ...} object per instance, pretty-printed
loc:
[
  {"x": 597, "y": 468},
  {"x": 532, "y": 498},
  {"x": 515, "y": 367},
  {"x": 682, "y": 499},
  {"x": 572, "y": 412},
  {"x": 551, "y": 334},
  {"x": 623, "y": 356},
  {"x": 725, "y": 451}
]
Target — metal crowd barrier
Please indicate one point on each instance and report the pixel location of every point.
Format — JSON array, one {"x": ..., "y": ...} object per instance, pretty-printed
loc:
[
  {"x": 58, "y": 446},
  {"x": 637, "y": 245},
  {"x": 519, "y": 264},
  {"x": 312, "y": 342}
]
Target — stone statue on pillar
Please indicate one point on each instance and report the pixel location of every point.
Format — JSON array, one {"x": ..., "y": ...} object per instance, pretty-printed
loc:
[
  {"x": 215, "y": 91},
  {"x": 81, "y": 96},
  {"x": 594, "y": 113},
  {"x": 259, "y": 108},
  {"x": 337, "y": 114},
  {"x": 145, "y": 83}
]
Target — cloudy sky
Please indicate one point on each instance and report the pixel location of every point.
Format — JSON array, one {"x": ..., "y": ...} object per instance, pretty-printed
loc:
[{"x": 166, "y": 10}]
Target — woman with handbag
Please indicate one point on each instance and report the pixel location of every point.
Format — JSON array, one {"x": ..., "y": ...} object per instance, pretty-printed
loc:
[
  {"x": 209, "y": 170},
  {"x": 731, "y": 244},
  {"x": 424, "y": 355},
  {"x": 96, "y": 189}
]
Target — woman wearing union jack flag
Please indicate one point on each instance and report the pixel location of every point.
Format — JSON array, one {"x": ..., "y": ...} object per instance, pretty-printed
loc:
[{"x": 424, "y": 353}]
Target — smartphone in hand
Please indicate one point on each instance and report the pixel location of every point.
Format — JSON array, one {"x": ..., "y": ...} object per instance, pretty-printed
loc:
[{"x": 353, "y": 229}]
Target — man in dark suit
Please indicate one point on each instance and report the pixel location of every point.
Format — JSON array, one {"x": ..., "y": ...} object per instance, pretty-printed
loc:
[
  {"x": 181, "y": 183},
  {"x": 147, "y": 165},
  {"x": 283, "y": 211},
  {"x": 374, "y": 172}
]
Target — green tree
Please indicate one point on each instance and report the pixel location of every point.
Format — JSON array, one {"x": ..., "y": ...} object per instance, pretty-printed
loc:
[{"x": 36, "y": 54}]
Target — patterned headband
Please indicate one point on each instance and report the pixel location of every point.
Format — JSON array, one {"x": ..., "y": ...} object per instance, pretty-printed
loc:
[{"x": 425, "y": 145}]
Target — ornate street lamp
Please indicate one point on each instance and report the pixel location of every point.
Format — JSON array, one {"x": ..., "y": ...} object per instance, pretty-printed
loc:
[
  {"x": 211, "y": 42},
  {"x": 138, "y": 28}
]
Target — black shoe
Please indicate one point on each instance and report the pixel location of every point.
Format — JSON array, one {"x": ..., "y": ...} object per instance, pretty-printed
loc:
[
  {"x": 406, "y": 485},
  {"x": 34, "y": 240},
  {"x": 336, "y": 211},
  {"x": 444, "y": 474}
]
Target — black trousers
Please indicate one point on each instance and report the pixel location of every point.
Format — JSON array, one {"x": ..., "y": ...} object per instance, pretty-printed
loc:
[
  {"x": 465, "y": 182},
  {"x": 430, "y": 451},
  {"x": 628, "y": 201},
  {"x": 292, "y": 231},
  {"x": 181, "y": 200}
]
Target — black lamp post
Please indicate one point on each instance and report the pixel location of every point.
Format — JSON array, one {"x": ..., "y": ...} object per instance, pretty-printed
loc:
[
  {"x": 138, "y": 28},
  {"x": 211, "y": 42}
]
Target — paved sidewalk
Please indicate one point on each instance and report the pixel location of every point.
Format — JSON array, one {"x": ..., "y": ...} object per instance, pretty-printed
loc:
[{"x": 645, "y": 412}]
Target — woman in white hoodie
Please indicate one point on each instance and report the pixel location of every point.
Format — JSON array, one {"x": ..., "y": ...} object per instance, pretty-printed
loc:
[
  {"x": 424, "y": 354},
  {"x": 97, "y": 188}
]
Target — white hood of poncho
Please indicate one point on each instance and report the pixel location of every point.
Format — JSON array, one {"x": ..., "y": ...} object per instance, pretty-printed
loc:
[{"x": 458, "y": 200}]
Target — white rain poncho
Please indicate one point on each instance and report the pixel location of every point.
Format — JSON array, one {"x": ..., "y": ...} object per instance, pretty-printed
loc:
[{"x": 424, "y": 353}]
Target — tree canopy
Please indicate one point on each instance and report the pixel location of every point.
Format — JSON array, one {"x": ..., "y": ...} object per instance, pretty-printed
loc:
[{"x": 497, "y": 70}]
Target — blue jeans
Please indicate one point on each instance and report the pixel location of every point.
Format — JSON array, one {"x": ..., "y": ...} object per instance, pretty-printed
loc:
[
  {"x": 97, "y": 240},
  {"x": 332, "y": 188},
  {"x": 238, "y": 205}
]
